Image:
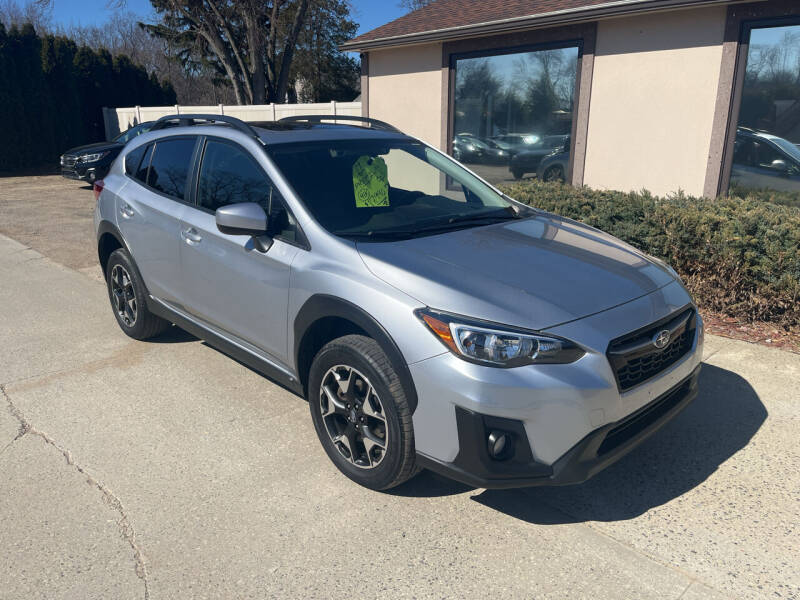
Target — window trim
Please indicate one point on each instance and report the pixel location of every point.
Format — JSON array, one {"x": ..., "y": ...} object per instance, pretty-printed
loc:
[
  {"x": 584, "y": 36},
  {"x": 186, "y": 194},
  {"x": 740, "y": 73},
  {"x": 731, "y": 81},
  {"x": 200, "y": 151}
]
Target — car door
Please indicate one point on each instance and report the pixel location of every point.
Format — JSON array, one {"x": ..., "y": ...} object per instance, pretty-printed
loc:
[
  {"x": 228, "y": 283},
  {"x": 150, "y": 210}
]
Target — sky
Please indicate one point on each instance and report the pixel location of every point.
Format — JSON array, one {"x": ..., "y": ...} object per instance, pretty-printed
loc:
[{"x": 369, "y": 14}]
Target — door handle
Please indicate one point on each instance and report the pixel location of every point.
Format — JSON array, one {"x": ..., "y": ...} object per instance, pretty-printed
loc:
[
  {"x": 126, "y": 211},
  {"x": 191, "y": 236}
]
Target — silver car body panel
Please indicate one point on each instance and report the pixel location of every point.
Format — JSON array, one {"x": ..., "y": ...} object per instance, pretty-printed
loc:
[{"x": 544, "y": 272}]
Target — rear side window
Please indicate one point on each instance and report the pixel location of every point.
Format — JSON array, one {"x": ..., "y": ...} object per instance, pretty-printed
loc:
[
  {"x": 169, "y": 166},
  {"x": 133, "y": 159}
]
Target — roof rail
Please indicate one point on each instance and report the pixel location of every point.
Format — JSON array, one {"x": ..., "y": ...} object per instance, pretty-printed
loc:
[
  {"x": 190, "y": 119},
  {"x": 374, "y": 123}
]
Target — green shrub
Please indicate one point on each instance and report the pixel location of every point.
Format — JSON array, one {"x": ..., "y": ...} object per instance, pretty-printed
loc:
[
  {"x": 767, "y": 195},
  {"x": 737, "y": 256}
]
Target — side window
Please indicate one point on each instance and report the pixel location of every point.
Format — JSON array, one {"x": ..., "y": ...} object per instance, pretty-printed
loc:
[
  {"x": 229, "y": 175},
  {"x": 767, "y": 154},
  {"x": 169, "y": 166},
  {"x": 133, "y": 159},
  {"x": 743, "y": 152}
]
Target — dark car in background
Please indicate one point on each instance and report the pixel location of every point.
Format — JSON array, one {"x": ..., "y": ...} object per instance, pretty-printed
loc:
[
  {"x": 92, "y": 161},
  {"x": 554, "y": 166},
  {"x": 513, "y": 143},
  {"x": 528, "y": 160},
  {"x": 762, "y": 160},
  {"x": 471, "y": 149}
]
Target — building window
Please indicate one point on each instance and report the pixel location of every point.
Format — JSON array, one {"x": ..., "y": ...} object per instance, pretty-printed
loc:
[
  {"x": 766, "y": 155},
  {"x": 512, "y": 113}
]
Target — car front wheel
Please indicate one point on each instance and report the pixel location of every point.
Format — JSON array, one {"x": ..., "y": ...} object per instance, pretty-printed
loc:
[{"x": 361, "y": 414}]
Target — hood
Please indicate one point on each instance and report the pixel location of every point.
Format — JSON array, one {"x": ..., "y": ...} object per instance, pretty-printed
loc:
[
  {"x": 96, "y": 147},
  {"x": 536, "y": 272}
]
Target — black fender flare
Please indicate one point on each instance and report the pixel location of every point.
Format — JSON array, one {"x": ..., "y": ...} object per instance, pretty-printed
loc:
[{"x": 320, "y": 306}]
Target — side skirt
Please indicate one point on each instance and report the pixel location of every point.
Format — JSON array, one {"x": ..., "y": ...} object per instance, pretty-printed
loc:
[{"x": 226, "y": 346}]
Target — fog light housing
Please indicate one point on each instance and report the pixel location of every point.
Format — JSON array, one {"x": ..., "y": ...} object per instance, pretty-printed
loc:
[{"x": 500, "y": 445}]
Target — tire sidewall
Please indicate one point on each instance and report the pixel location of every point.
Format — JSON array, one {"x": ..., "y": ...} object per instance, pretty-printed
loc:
[
  {"x": 337, "y": 353},
  {"x": 121, "y": 257},
  {"x": 555, "y": 174}
]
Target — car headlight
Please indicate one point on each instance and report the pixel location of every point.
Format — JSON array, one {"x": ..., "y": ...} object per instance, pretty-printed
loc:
[
  {"x": 92, "y": 157},
  {"x": 496, "y": 345},
  {"x": 470, "y": 147}
]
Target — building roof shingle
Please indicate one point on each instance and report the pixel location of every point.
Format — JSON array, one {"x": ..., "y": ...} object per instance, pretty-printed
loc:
[{"x": 444, "y": 15}]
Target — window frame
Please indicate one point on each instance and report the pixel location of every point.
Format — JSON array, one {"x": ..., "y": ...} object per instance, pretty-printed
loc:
[
  {"x": 746, "y": 27},
  {"x": 194, "y": 183},
  {"x": 187, "y": 195},
  {"x": 558, "y": 44}
]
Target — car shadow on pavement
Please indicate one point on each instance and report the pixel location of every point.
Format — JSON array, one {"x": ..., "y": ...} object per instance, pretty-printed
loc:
[{"x": 720, "y": 422}]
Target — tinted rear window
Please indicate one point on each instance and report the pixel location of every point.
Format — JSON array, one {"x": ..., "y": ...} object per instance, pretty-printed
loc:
[
  {"x": 133, "y": 159},
  {"x": 169, "y": 167}
]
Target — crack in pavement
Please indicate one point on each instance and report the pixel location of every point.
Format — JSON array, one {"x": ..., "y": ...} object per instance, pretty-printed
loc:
[{"x": 125, "y": 526}]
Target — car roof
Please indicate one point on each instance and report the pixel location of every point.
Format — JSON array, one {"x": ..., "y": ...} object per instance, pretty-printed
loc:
[{"x": 273, "y": 133}]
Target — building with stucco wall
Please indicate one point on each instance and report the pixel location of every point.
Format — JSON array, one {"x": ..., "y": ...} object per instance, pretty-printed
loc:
[{"x": 663, "y": 95}]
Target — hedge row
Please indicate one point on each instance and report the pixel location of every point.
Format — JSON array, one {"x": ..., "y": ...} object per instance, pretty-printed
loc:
[
  {"x": 52, "y": 93},
  {"x": 737, "y": 256}
]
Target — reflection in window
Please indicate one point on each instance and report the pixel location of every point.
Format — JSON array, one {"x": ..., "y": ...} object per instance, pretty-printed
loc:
[
  {"x": 513, "y": 110},
  {"x": 766, "y": 155},
  {"x": 229, "y": 175},
  {"x": 169, "y": 166}
]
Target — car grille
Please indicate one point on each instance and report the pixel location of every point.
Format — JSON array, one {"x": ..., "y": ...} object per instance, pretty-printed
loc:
[
  {"x": 68, "y": 160},
  {"x": 635, "y": 358},
  {"x": 642, "y": 419}
]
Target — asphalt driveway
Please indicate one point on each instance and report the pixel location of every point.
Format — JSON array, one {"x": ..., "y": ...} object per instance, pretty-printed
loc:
[{"x": 168, "y": 470}]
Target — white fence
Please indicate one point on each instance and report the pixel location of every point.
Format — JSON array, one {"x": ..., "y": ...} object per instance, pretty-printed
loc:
[{"x": 120, "y": 119}]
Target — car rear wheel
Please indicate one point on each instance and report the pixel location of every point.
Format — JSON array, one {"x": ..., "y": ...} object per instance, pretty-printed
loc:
[
  {"x": 361, "y": 414},
  {"x": 128, "y": 299},
  {"x": 517, "y": 173}
]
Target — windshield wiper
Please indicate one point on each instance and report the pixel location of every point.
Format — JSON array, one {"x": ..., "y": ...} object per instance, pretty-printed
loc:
[{"x": 456, "y": 222}]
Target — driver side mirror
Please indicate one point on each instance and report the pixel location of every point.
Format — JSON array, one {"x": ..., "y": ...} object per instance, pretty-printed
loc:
[
  {"x": 244, "y": 218},
  {"x": 779, "y": 165}
]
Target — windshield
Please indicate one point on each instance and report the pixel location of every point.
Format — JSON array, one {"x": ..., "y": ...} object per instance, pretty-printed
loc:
[
  {"x": 128, "y": 135},
  {"x": 386, "y": 188},
  {"x": 788, "y": 147}
]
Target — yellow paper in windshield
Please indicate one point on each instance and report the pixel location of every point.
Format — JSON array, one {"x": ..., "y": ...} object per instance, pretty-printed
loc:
[{"x": 371, "y": 182}]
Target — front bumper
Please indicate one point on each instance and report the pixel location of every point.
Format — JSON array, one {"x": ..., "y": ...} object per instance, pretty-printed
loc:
[
  {"x": 82, "y": 174},
  {"x": 562, "y": 412},
  {"x": 598, "y": 450}
]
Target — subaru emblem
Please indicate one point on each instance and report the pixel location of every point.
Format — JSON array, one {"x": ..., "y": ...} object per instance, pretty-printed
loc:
[{"x": 661, "y": 339}]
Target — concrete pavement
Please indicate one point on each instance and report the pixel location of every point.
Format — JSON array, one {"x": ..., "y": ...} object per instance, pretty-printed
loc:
[{"x": 166, "y": 469}]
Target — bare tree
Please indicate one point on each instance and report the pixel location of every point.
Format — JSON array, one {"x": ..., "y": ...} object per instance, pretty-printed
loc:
[
  {"x": 252, "y": 42},
  {"x": 412, "y": 5}
]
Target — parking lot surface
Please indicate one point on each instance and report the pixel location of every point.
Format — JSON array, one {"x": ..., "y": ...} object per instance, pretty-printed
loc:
[{"x": 165, "y": 469}]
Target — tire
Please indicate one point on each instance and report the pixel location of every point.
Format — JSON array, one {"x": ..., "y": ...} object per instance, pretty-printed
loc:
[
  {"x": 127, "y": 295},
  {"x": 554, "y": 173},
  {"x": 517, "y": 174},
  {"x": 368, "y": 394}
]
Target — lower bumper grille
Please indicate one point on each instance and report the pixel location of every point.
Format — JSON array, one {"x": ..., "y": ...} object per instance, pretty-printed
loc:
[
  {"x": 641, "y": 420},
  {"x": 636, "y": 358}
]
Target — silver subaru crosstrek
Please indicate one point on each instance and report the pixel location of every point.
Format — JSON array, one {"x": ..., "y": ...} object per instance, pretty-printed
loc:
[{"x": 429, "y": 320}]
